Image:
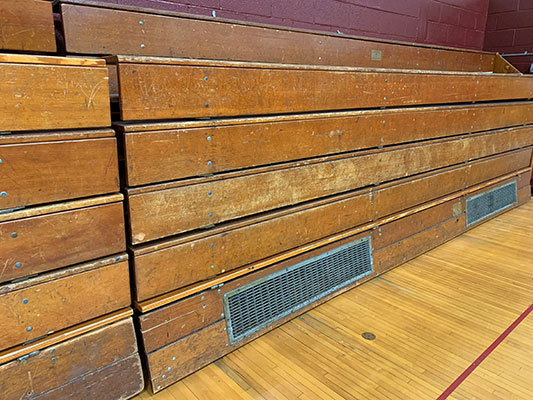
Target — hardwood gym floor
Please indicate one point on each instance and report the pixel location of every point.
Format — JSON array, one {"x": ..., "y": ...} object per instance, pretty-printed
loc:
[{"x": 432, "y": 317}]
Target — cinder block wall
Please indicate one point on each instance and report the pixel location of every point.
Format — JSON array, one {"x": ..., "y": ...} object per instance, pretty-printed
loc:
[
  {"x": 458, "y": 23},
  {"x": 510, "y": 30}
]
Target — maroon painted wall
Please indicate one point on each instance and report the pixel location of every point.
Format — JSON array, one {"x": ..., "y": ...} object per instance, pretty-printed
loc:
[
  {"x": 510, "y": 30},
  {"x": 458, "y": 23}
]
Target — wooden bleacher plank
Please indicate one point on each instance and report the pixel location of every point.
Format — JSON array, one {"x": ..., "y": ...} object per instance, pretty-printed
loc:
[
  {"x": 92, "y": 27},
  {"x": 176, "y": 320},
  {"x": 167, "y": 88},
  {"x": 238, "y": 244},
  {"x": 41, "y": 168},
  {"x": 27, "y": 25},
  {"x": 41, "y": 93},
  {"x": 166, "y": 151},
  {"x": 167, "y": 298},
  {"x": 47, "y": 303},
  {"x": 64, "y": 368},
  {"x": 50, "y": 240},
  {"x": 181, "y": 207}
]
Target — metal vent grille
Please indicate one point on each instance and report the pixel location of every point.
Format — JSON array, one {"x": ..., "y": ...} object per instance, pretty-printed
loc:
[
  {"x": 490, "y": 202},
  {"x": 258, "y": 304}
]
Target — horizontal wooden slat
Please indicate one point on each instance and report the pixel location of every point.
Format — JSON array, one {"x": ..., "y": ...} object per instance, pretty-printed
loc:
[
  {"x": 180, "y": 319},
  {"x": 174, "y": 88},
  {"x": 53, "y": 240},
  {"x": 55, "y": 136},
  {"x": 120, "y": 380},
  {"x": 198, "y": 148},
  {"x": 51, "y": 60},
  {"x": 27, "y": 25},
  {"x": 58, "y": 207},
  {"x": 187, "y": 355},
  {"x": 400, "y": 229},
  {"x": 43, "y": 172},
  {"x": 109, "y": 29},
  {"x": 56, "y": 301},
  {"x": 178, "y": 294},
  {"x": 184, "y": 207},
  {"x": 61, "y": 336},
  {"x": 412, "y": 246},
  {"x": 68, "y": 361},
  {"x": 203, "y": 256},
  {"x": 39, "y": 97}
]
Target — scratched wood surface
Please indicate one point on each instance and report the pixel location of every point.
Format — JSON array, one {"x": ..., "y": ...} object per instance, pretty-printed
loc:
[
  {"x": 219, "y": 250},
  {"x": 186, "y": 205},
  {"x": 47, "y": 303},
  {"x": 50, "y": 169},
  {"x": 165, "y": 88},
  {"x": 165, "y": 151},
  {"x": 38, "y": 93},
  {"x": 210, "y": 343},
  {"x": 51, "y": 240},
  {"x": 27, "y": 25},
  {"x": 440, "y": 292},
  {"x": 112, "y": 29},
  {"x": 408, "y": 186},
  {"x": 66, "y": 368}
]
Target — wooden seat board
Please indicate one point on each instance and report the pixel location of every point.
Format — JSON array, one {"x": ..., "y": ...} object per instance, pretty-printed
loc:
[
  {"x": 54, "y": 240},
  {"x": 68, "y": 361},
  {"x": 40, "y": 96},
  {"x": 118, "y": 29},
  {"x": 50, "y": 171},
  {"x": 187, "y": 207},
  {"x": 45, "y": 304},
  {"x": 161, "y": 88},
  {"x": 197, "y": 148},
  {"x": 27, "y": 25}
]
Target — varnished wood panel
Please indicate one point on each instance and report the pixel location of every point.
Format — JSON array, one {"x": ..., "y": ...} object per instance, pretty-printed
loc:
[
  {"x": 187, "y": 355},
  {"x": 120, "y": 380},
  {"x": 411, "y": 247},
  {"x": 393, "y": 232},
  {"x": 176, "y": 263},
  {"x": 42, "y": 172},
  {"x": 63, "y": 364},
  {"x": 49, "y": 241},
  {"x": 489, "y": 168},
  {"x": 38, "y": 93},
  {"x": 117, "y": 30},
  {"x": 58, "y": 300},
  {"x": 175, "y": 321},
  {"x": 27, "y": 25},
  {"x": 166, "y": 151},
  {"x": 174, "y": 88},
  {"x": 182, "y": 207}
]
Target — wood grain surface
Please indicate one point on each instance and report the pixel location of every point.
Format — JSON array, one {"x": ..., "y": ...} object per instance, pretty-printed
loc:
[
  {"x": 54, "y": 240},
  {"x": 155, "y": 88},
  {"x": 27, "y": 25},
  {"x": 182, "y": 207},
  {"x": 39, "y": 96},
  {"x": 69, "y": 361},
  {"x": 50, "y": 171},
  {"x": 165, "y": 151},
  {"x": 58, "y": 300},
  {"x": 112, "y": 29}
]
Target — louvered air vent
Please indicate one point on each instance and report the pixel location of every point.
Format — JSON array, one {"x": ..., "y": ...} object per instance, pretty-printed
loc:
[
  {"x": 258, "y": 304},
  {"x": 490, "y": 202}
]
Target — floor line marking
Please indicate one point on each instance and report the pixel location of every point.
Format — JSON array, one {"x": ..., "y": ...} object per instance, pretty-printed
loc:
[{"x": 485, "y": 354}]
